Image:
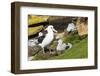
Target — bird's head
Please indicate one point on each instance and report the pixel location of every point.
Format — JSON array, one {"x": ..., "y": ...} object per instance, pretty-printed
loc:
[
  {"x": 60, "y": 41},
  {"x": 50, "y": 27}
]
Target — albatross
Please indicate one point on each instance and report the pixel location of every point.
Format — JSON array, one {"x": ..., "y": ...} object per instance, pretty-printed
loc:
[
  {"x": 49, "y": 36},
  {"x": 62, "y": 46}
]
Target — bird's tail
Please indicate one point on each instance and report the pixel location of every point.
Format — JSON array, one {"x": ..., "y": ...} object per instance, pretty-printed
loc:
[{"x": 70, "y": 45}]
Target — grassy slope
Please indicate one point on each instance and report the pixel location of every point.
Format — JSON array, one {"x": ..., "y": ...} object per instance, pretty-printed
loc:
[{"x": 78, "y": 50}]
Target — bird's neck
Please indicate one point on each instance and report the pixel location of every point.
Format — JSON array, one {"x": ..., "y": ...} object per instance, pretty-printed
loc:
[{"x": 50, "y": 31}]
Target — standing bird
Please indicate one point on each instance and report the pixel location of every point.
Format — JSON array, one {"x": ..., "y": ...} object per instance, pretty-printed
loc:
[
  {"x": 49, "y": 36},
  {"x": 32, "y": 42}
]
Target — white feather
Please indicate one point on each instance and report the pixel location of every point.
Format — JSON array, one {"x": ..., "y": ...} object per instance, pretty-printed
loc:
[
  {"x": 71, "y": 27},
  {"x": 61, "y": 46},
  {"x": 49, "y": 36},
  {"x": 32, "y": 42},
  {"x": 70, "y": 45}
]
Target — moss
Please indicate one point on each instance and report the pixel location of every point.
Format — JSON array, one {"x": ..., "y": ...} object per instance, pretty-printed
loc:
[
  {"x": 36, "y": 19},
  {"x": 34, "y": 30}
]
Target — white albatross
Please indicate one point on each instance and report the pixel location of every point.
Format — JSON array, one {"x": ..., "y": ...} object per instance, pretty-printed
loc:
[
  {"x": 32, "y": 42},
  {"x": 62, "y": 46},
  {"x": 71, "y": 27},
  {"x": 49, "y": 36}
]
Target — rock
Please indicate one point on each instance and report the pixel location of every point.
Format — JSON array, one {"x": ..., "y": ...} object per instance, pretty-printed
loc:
[
  {"x": 82, "y": 26},
  {"x": 34, "y": 50}
]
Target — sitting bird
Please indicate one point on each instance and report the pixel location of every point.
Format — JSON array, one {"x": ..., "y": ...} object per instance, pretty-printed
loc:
[
  {"x": 62, "y": 46},
  {"x": 32, "y": 42},
  {"x": 71, "y": 27}
]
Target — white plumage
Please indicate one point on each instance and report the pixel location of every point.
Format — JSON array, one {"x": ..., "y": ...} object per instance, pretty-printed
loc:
[
  {"x": 32, "y": 42},
  {"x": 70, "y": 45},
  {"x": 40, "y": 34},
  {"x": 71, "y": 27},
  {"x": 49, "y": 36},
  {"x": 62, "y": 46}
]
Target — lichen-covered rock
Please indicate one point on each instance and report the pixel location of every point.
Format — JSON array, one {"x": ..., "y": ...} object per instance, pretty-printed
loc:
[
  {"x": 34, "y": 50},
  {"x": 34, "y": 30},
  {"x": 82, "y": 26}
]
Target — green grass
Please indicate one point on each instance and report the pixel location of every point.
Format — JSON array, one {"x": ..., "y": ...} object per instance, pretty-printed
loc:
[
  {"x": 79, "y": 50},
  {"x": 72, "y": 38}
]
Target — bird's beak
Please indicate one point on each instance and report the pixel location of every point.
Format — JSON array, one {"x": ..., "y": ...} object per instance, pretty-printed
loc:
[{"x": 54, "y": 30}]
